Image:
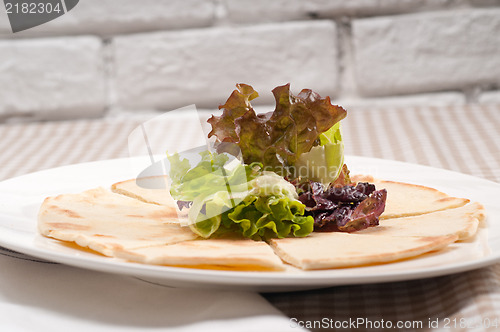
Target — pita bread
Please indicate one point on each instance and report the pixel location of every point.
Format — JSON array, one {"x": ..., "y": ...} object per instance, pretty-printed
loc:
[
  {"x": 462, "y": 221},
  {"x": 240, "y": 254},
  {"x": 143, "y": 189},
  {"x": 141, "y": 225},
  {"x": 340, "y": 250},
  {"x": 405, "y": 199},
  {"x": 104, "y": 221}
]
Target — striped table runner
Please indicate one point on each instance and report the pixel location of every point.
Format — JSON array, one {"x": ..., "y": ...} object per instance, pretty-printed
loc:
[{"x": 463, "y": 139}]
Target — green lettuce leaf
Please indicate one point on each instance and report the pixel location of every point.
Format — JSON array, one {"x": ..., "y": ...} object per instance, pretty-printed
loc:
[
  {"x": 237, "y": 198},
  {"x": 268, "y": 217},
  {"x": 269, "y": 209},
  {"x": 275, "y": 139},
  {"x": 208, "y": 177},
  {"x": 323, "y": 163}
]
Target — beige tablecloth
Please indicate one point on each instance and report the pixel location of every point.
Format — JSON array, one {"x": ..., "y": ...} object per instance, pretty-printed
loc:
[{"x": 459, "y": 138}]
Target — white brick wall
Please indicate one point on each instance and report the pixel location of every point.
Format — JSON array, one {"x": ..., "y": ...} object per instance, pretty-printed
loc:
[
  {"x": 251, "y": 11},
  {"x": 429, "y": 99},
  {"x": 173, "y": 69},
  {"x": 109, "y": 17},
  {"x": 109, "y": 56},
  {"x": 427, "y": 52},
  {"x": 490, "y": 97},
  {"x": 52, "y": 78}
]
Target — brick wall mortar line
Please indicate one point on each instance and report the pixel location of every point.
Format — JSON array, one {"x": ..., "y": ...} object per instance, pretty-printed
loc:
[{"x": 347, "y": 81}]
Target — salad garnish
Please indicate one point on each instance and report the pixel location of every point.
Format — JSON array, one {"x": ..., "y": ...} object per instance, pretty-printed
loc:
[
  {"x": 237, "y": 198},
  {"x": 278, "y": 139},
  {"x": 274, "y": 174},
  {"x": 344, "y": 208}
]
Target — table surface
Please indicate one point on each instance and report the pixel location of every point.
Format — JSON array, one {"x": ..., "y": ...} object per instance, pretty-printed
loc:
[{"x": 460, "y": 138}]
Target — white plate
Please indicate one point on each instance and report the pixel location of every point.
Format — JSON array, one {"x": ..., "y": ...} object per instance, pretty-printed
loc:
[{"x": 20, "y": 199}]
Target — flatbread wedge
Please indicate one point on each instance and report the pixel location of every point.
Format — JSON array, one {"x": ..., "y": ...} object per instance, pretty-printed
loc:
[
  {"x": 340, "y": 250},
  {"x": 153, "y": 189},
  {"x": 238, "y": 254},
  {"x": 462, "y": 221},
  {"x": 104, "y": 221},
  {"x": 405, "y": 199}
]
